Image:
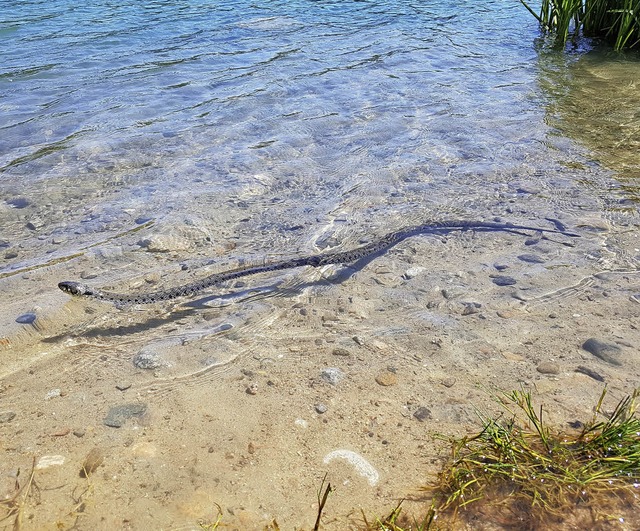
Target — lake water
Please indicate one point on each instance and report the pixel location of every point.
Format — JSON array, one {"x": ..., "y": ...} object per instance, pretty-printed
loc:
[{"x": 143, "y": 141}]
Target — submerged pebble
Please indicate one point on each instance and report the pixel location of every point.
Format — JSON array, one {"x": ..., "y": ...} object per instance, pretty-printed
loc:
[
  {"x": 503, "y": 280},
  {"x": 386, "y": 379},
  {"x": 26, "y": 318},
  {"x": 604, "y": 350},
  {"x": 118, "y": 415},
  {"x": 548, "y": 367},
  {"x": 332, "y": 375},
  {"x": 146, "y": 359},
  {"x": 422, "y": 413}
]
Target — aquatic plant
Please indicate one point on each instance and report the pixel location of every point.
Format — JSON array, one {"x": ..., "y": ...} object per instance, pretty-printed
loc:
[{"x": 614, "y": 21}]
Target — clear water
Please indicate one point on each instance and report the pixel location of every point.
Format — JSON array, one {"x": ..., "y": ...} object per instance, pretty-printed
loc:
[
  {"x": 235, "y": 130},
  {"x": 303, "y": 110}
]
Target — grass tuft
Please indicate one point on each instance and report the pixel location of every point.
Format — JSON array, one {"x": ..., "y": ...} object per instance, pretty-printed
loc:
[{"x": 528, "y": 475}]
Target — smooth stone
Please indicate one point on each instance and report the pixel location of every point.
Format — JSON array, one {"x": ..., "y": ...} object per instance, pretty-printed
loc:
[
  {"x": 501, "y": 267},
  {"x": 531, "y": 258},
  {"x": 449, "y": 382},
  {"x": 26, "y": 318},
  {"x": 548, "y": 367},
  {"x": 118, "y": 415},
  {"x": 504, "y": 280},
  {"x": 422, "y": 413},
  {"x": 341, "y": 352},
  {"x": 320, "y": 408},
  {"x": 332, "y": 375},
  {"x": 10, "y": 254},
  {"x": 7, "y": 416},
  {"x": 386, "y": 379},
  {"x": 608, "y": 352}
]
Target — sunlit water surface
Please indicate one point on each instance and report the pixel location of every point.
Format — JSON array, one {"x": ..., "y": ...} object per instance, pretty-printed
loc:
[{"x": 141, "y": 140}]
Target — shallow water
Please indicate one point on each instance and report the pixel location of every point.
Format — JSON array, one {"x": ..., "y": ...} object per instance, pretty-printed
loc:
[{"x": 146, "y": 144}]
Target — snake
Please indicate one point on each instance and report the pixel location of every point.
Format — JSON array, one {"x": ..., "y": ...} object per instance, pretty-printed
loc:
[{"x": 371, "y": 250}]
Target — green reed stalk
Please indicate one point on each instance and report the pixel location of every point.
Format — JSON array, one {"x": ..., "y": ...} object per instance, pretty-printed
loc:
[{"x": 614, "y": 21}]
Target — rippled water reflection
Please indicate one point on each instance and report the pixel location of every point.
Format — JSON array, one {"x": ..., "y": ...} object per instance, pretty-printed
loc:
[{"x": 144, "y": 144}]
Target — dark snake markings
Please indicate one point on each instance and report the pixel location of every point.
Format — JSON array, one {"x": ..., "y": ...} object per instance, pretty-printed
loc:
[{"x": 317, "y": 260}]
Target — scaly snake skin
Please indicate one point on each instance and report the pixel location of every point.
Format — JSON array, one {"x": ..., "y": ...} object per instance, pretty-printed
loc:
[{"x": 317, "y": 260}]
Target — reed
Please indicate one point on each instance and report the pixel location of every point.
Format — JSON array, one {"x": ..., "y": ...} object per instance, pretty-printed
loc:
[{"x": 616, "y": 22}]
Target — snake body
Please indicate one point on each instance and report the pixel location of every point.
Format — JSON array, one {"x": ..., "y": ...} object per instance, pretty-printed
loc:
[{"x": 317, "y": 260}]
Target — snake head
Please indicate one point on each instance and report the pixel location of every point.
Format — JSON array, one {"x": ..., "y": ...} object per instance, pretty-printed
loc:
[{"x": 75, "y": 288}]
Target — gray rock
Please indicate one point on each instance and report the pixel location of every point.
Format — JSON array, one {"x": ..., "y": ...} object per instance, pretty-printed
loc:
[
  {"x": 18, "y": 202},
  {"x": 501, "y": 267},
  {"x": 332, "y": 375},
  {"x": 503, "y": 280},
  {"x": 118, "y": 415},
  {"x": 147, "y": 359},
  {"x": 608, "y": 352},
  {"x": 341, "y": 352},
  {"x": 320, "y": 408},
  {"x": 7, "y": 416},
  {"x": 422, "y": 413}
]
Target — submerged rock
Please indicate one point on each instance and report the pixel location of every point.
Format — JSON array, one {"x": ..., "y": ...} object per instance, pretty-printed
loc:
[
  {"x": 604, "y": 350},
  {"x": 118, "y": 415},
  {"x": 332, "y": 375},
  {"x": 503, "y": 280},
  {"x": 26, "y": 318}
]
